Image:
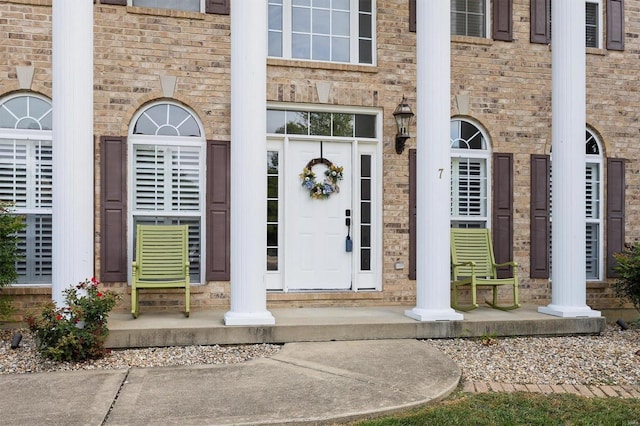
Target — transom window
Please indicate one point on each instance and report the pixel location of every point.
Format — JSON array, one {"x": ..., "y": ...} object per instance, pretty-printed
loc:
[
  {"x": 26, "y": 176},
  {"x": 322, "y": 30},
  {"x": 314, "y": 123},
  {"x": 469, "y": 176},
  {"x": 167, "y": 152},
  {"x": 469, "y": 17}
]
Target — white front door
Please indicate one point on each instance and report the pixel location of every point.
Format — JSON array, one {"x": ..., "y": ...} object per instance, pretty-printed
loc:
[{"x": 316, "y": 256}]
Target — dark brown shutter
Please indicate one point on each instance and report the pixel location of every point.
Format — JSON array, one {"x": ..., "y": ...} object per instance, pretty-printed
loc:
[
  {"x": 503, "y": 20},
  {"x": 219, "y": 7},
  {"x": 502, "y": 222},
  {"x": 412, "y": 16},
  {"x": 615, "y": 24},
  {"x": 540, "y": 22},
  {"x": 113, "y": 209},
  {"x": 540, "y": 224},
  {"x": 218, "y": 210},
  {"x": 615, "y": 210},
  {"x": 115, "y": 2},
  {"x": 412, "y": 214}
]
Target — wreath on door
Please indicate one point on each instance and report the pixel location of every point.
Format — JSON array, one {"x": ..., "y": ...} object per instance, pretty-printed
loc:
[{"x": 321, "y": 190}]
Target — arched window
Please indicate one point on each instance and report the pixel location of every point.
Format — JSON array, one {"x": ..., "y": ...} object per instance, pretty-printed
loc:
[
  {"x": 593, "y": 206},
  {"x": 469, "y": 176},
  {"x": 26, "y": 175},
  {"x": 167, "y": 174}
]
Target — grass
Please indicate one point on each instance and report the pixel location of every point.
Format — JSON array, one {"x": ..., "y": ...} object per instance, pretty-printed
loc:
[{"x": 519, "y": 409}]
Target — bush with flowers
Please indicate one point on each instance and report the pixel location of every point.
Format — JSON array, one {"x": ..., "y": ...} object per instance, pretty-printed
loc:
[{"x": 78, "y": 330}]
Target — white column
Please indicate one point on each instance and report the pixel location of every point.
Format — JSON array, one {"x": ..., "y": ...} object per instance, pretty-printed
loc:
[
  {"x": 433, "y": 296},
  {"x": 568, "y": 277},
  {"x": 73, "y": 207},
  {"x": 248, "y": 164}
]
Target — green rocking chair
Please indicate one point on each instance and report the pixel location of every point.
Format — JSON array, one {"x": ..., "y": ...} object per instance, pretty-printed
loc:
[
  {"x": 162, "y": 261},
  {"x": 474, "y": 266}
]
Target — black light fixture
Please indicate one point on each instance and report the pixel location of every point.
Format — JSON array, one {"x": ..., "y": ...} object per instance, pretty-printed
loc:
[{"x": 403, "y": 116}]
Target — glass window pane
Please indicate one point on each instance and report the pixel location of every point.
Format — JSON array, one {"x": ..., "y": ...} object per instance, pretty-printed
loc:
[
  {"x": 320, "y": 123},
  {"x": 365, "y": 189},
  {"x": 275, "y": 121},
  {"x": 321, "y": 21},
  {"x": 301, "y": 46},
  {"x": 322, "y": 3},
  {"x": 365, "y": 232},
  {"x": 475, "y": 26},
  {"x": 301, "y": 19},
  {"x": 321, "y": 48},
  {"x": 188, "y": 5},
  {"x": 365, "y": 50},
  {"x": 365, "y": 126},
  {"x": 340, "y": 23},
  {"x": 272, "y": 235},
  {"x": 365, "y": 6},
  {"x": 272, "y": 210},
  {"x": 340, "y": 49},
  {"x": 275, "y": 44},
  {"x": 364, "y": 29},
  {"x": 272, "y": 162},
  {"x": 340, "y": 4},
  {"x": 365, "y": 166},
  {"x": 475, "y": 6},
  {"x": 297, "y": 123},
  {"x": 272, "y": 259},
  {"x": 272, "y": 186},
  {"x": 365, "y": 212},
  {"x": 275, "y": 17},
  {"x": 343, "y": 125},
  {"x": 365, "y": 259}
]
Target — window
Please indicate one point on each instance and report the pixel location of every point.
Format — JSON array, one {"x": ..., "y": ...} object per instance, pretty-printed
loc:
[
  {"x": 322, "y": 30},
  {"x": 594, "y": 208},
  {"x": 26, "y": 175},
  {"x": 469, "y": 17},
  {"x": 541, "y": 24},
  {"x": 187, "y": 5},
  {"x": 469, "y": 176},
  {"x": 167, "y": 168}
]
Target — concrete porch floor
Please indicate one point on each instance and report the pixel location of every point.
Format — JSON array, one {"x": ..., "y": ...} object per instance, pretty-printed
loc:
[{"x": 332, "y": 323}]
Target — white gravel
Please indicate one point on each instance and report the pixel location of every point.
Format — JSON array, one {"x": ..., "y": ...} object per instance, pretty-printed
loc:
[
  {"x": 25, "y": 359},
  {"x": 612, "y": 358}
]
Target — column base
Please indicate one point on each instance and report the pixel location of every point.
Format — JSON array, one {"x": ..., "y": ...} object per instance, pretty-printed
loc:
[
  {"x": 569, "y": 311},
  {"x": 433, "y": 314},
  {"x": 249, "y": 318}
]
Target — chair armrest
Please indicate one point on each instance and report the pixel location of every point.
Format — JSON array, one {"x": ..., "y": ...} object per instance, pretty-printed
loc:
[
  {"x": 514, "y": 264},
  {"x": 470, "y": 263}
]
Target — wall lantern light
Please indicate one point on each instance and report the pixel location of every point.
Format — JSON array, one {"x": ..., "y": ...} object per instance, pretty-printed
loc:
[{"x": 403, "y": 116}]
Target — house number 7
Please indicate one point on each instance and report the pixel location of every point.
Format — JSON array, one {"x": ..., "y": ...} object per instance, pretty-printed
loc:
[{"x": 440, "y": 170}]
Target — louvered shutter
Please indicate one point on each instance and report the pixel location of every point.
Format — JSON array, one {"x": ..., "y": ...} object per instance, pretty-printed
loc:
[
  {"x": 218, "y": 201},
  {"x": 502, "y": 223},
  {"x": 468, "y": 187},
  {"x": 412, "y": 214},
  {"x": 503, "y": 20},
  {"x": 540, "y": 217},
  {"x": 220, "y": 7},
  {"x": 113, "y": 209},
  {"x": 615, "y": 210},
  {"x": 615, "y": 24},
  {"x": 540, "y": 21},
  {"x": 412, "y": 16}
]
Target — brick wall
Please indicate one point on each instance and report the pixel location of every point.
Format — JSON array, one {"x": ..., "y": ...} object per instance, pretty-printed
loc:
[{"x": 508, "y": 84}]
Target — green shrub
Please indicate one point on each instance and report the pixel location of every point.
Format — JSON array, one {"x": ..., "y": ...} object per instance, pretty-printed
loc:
[
  {"x": 10, "y": 225},
  {"x": 627, "y": 286},
  {"x": 77, "y": 331}
]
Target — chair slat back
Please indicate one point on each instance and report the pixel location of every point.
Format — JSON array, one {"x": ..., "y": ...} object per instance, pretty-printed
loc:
[
  {"x": 161, "y": 252},
  {"x": 472, "y": 245}
]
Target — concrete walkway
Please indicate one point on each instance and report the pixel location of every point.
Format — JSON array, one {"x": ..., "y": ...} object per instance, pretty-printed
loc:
[{"x": 318, "y": 383}]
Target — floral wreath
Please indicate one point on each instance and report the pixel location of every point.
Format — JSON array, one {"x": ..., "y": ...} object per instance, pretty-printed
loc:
[{"x": 321, "y": 190}]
